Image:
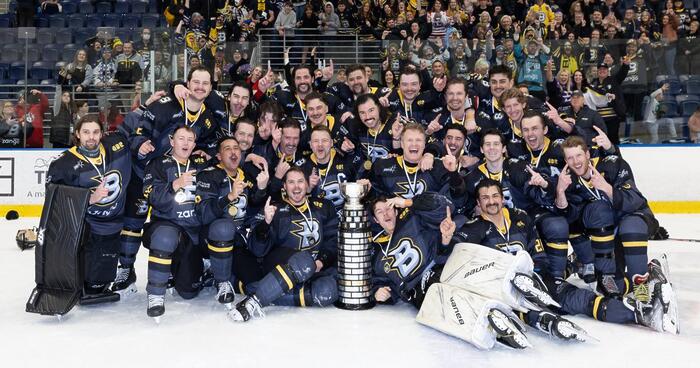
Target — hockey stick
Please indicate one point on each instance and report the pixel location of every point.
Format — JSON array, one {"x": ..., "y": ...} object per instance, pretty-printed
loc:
[{"x": 685, "y": 240}]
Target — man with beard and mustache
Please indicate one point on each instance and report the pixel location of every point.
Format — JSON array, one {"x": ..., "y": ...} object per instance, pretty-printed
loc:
[
  {"x": 239, "y": 106},
  {"x": 227, "y": 198},
  {"x": 172, "y": 235},
  {"x": 296, "y": 241},
  {"x": 403, "y": 175},
  {"x": 317, "y": 107},
  {"x": 603, "y": 195},
  {"x": 409, "y": 103},
  {"x": 375, "y": 133},
  {"x": 326, "y": 168},
  {"x": 292, "y": 102},
  {"x": 458, "y": 109},
  {"x": 281, "y": 153},
  {"x": 511, "y": 231},
  {"x": 103, "y": 164},
  {"x": 355, "y": 86},
  {"x": 151, "y": 139}
]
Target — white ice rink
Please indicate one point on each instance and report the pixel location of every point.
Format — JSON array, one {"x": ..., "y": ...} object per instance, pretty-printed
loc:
[{"x": 196, "y": 333}]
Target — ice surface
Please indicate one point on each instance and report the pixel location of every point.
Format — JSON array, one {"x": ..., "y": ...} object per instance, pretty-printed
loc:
[{"x": 196, "y": 333}]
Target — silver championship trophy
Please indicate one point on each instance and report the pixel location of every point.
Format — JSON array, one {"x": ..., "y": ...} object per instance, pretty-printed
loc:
[{"x": 354, "y": 251}]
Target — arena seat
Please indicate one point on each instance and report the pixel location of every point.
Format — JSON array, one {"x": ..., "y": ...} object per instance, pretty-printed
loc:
[
  {"x": 76, "y": 20},
  {"x": 150, "y": 21},
  {"x": 69, "y": 7},
  {"x": 130, "y": 21},
  {"x": 8, "y": 35},
  {"x": 44, "y": 36},
  {"x": 17, "y": 70},
  {"x": 111, "y": 20},
  {"x": 103, "y": 7},
  {"x": 139, "y": 7},
  {"x": 57, "y": 21},
  {"x": 121, "y": 7},
  {"x": 50, "y": 53},
  {"x": 41, "y": 70},
  {"x": 85, "y": 7},
  {"x": 93, "y": 20},
  {"x": 83, "y": 34},
  {"x": 688, "y": 104},
  {"x": 63, "y": 35}
]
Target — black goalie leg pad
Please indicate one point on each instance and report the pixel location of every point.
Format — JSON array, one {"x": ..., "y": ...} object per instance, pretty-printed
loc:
[{"x": 58, "y": 267}]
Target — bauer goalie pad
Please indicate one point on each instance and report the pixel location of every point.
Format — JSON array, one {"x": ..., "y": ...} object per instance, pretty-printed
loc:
[
  {"x": 58, "y": 267},
  {"x": 488, "y": 272},
  {"x": 462, "y": 314}
]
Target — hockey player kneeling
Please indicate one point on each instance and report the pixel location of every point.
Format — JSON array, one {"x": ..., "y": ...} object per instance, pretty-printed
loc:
[
  {"x": 295, "y": 248},
  {"x": 102, "y": 163},
  {"x": 172, "y": 236}
]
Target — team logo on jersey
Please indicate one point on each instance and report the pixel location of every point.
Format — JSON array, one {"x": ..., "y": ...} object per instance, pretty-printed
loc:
[
  {"x": 405, "y": 258},
  {"x": 113, "y": 182},
  {"x": 409, "y": 191},
  {"x": 513, "y": 247},
  {"x": 307, "y": 232}
]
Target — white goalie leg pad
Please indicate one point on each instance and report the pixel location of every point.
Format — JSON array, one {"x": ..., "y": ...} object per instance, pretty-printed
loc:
[
  {"x": 487, "y": 272},
  {"x": 462, "y": 314}
]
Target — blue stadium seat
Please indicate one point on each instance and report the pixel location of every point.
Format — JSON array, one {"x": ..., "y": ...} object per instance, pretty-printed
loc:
[
  {"x": 8, "y": 35},
  {"x": 130, "y": 21},
  {"x": 93, "y": 20},
  {"x": 6, "y": 20},
  {"x": 33, "y": 53},
  {"x": 41, "y": 70},
  {"x": 150, "y": 21},
  {"x": 41, "y": 21},
  {"x": 103, "y": 8},
  {"x": 85, "y": 7},
  {"x": 64, "y": 35},
  {"x": 124, "y": 34},
  {"x": 76, "y": 20},
  {"x": 44, "y": 36},
  {"x": 57, "y": 21},
  {"x": 121, "y": 7},
  {"x": 69, "y": 7},
  {"x": 692, "y": 85},
  {"x": 50, "y": 53},
  {"x": 111, "y": 20},
  {"x": 688, "y": 104},
  {"x": 68, "y": 53},
  {"x": 17, "y": 70},
  {"x": 139, "y": 7},
  {"x": 673, "y": 81},
  {"x": 10, "y": 54},
  {"x": 48, "y": 82},
  {"x": 670, "y": 107},
  {"x": 30, "y": 82},
  {"x": 83, "y": 34}
]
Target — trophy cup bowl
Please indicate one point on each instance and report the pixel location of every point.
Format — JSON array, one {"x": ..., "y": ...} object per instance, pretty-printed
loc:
[{"x": 353, "y": 193}]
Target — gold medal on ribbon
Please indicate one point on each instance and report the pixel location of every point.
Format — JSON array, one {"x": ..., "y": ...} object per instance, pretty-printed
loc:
[
  {"x": 232, "y": 210},
  {"x": 368, "y": 165}
]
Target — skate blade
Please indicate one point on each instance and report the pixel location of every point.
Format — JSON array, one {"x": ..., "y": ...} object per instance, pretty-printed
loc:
[
  {"x": 507, "y": 333},
  {"x": 156, "y": 320},
  {"x": 572, "y": 331},
  {"x": 670, "y": 309},
  {"x": 234, "y": 316},
  {"x": 526, "y": 286}
]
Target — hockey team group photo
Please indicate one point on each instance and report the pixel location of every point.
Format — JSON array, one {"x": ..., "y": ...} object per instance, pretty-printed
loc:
[{"x": 377, "y": 182}]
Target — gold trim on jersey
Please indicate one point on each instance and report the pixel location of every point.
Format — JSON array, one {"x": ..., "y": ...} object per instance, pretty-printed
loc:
[
  {"x": 534, "y": 161},
  {"x": 322, "y": 172},
  {"x": 286, "y": 278},
  {"x": 192, "y": 118},
  {"x": 489, "y": 174},
  {"x": 409, "y": 169}
]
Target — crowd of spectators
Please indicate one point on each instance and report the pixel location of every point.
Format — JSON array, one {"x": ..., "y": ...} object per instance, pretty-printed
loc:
[{"x": 554, "y": 47}]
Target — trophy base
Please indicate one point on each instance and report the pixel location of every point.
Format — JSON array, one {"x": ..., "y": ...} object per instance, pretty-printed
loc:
[{"x": 355, "y": 307}]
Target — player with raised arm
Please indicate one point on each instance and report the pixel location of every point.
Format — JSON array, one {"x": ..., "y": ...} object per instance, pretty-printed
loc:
[
  {"x": 228, "y": 197},
  {"x": 172, "y": 235},
  {"x": 291, "y": 253}
]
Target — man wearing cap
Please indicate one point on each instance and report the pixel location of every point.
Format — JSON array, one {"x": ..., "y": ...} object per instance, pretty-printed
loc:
[
  {"x": 606, "y": 85},
  {"x": 583, "y": 118}
]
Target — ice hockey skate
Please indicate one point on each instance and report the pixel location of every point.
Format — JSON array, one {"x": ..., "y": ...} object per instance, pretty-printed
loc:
[
  {"x": 246, "y": 309},
  {"x": 225, "y": 294},
  {"x": 561, "y": 328},
  {"x": 97, "y": 294},
  {"x": 125, "y": 281},
  {"x": 508, "y": 331},
  {"x": 533, "y": 289},
  {"x": 156, "y": 307}
]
